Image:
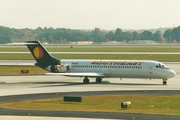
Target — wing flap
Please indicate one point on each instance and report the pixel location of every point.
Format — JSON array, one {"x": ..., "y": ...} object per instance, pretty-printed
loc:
[{"x": 78, "y": 74}]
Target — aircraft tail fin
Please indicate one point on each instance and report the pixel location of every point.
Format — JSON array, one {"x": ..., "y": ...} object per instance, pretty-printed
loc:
[{"x": 40, "y": 54}]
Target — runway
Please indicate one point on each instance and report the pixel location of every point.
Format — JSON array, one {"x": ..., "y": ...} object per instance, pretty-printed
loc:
[
  {"x": 17, "y": 85},
  {"x": 22, "y": 88}
]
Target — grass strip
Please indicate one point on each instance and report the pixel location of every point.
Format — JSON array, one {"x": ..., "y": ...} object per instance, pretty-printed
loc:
[
  {"x": 168, "y": 58},
  {"x": 141, "y": 104},
  {"x": 57, "y": 49},
  {"x": 113, "y": 49},
  {"x": 10, "y": 70}
]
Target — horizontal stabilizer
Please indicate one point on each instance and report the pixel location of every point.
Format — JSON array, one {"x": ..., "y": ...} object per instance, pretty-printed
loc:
[{"x": 78, "y": 74}]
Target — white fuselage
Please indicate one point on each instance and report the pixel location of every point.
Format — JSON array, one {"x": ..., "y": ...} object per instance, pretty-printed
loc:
[
  {"x": 120, "y": 68},
  {"x": 98, "y": 68}
]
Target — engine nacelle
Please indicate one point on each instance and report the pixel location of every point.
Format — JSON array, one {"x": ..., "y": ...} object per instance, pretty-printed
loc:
[{"x": 58, "y": 68}]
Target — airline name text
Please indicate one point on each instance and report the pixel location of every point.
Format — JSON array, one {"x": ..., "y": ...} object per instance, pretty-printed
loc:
[{"x": 116, "y": 63}]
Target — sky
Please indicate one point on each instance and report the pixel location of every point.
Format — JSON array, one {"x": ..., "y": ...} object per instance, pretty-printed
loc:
[{"x": 90, "y": 14}]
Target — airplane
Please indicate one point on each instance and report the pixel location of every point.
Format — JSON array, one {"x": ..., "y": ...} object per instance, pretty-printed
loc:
[{"x": 98, "y": 69}]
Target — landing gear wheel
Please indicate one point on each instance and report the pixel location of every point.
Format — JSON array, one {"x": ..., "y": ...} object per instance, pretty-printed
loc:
[
  {"x": 98, "y": 80},
  {"x": 164, "y": 82},
  {"x": 86, "y": 80}
]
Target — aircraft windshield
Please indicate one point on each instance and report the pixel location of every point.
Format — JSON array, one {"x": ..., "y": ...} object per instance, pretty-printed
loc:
[{"x": 162, "y": 66}]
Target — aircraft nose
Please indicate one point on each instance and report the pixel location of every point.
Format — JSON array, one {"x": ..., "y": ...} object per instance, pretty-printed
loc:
[{"x": 171, "y": 73}]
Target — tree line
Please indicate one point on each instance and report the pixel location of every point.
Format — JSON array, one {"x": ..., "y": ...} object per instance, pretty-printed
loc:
[{"x": 62, "y": 35}]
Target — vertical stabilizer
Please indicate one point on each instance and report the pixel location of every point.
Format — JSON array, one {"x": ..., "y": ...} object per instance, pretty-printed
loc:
[{"x": 40, "y": 54}]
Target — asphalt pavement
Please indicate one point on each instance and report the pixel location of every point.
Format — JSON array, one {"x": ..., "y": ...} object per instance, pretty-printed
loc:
[
  {"x": 95, "y": 115},
  {"x": 25, "y": 88}
]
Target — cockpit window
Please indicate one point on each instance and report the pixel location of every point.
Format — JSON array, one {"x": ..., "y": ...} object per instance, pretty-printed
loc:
[
  {"x": 159, "y": 65},
  {"x": 162, "y": 66}
]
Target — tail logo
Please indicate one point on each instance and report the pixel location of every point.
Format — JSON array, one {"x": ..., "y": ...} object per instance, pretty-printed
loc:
[{"x": 38, "y": 52}]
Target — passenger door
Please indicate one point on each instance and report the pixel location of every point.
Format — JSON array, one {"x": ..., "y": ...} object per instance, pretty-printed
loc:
[{"x": 150, "y": 70}]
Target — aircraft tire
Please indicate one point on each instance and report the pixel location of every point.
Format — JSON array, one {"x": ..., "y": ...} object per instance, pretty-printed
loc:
[
  {"x": 98, "y": 80},
  {"x": 164, "y": 82},
  {"x": 86, "y": 81}
]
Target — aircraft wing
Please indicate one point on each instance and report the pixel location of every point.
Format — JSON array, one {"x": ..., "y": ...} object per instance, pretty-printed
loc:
[{"x": 78, "y": 74}]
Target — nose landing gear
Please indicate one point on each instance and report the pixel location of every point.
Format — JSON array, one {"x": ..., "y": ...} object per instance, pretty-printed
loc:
[{"x": 164, "y": 81}]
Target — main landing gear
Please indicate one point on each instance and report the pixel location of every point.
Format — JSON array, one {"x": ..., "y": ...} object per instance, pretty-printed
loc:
[
  {"x": 98, "y": 80},
  {"x": 164, "y": 81},
  {"x": 86, "y": 80}
]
